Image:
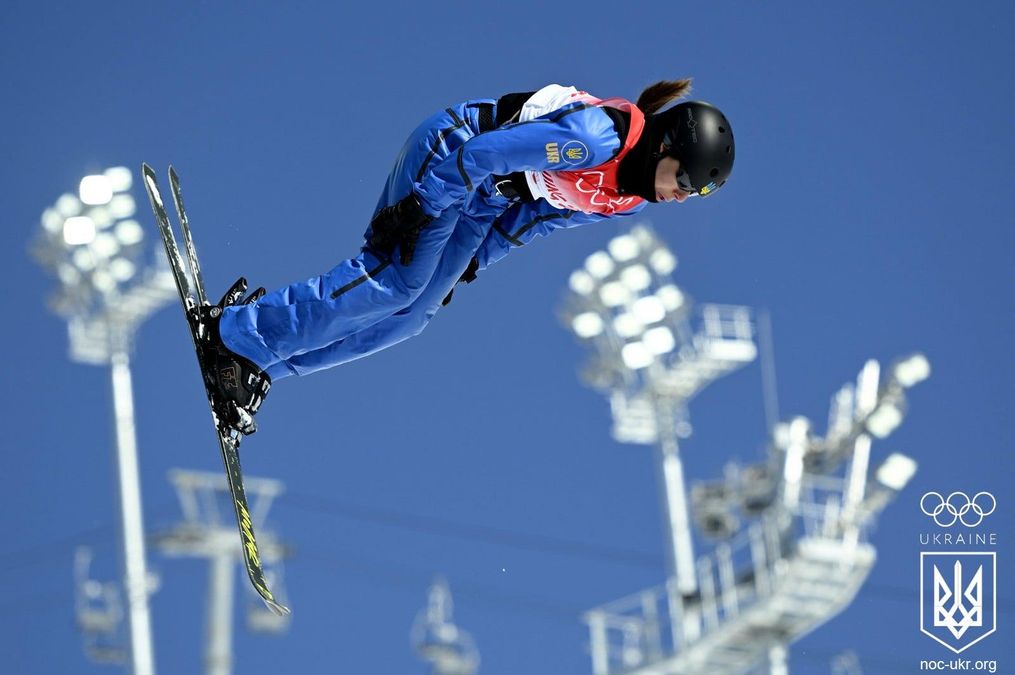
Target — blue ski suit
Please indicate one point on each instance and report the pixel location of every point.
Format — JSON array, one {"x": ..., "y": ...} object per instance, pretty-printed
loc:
[{"x": 372, "y": 301}]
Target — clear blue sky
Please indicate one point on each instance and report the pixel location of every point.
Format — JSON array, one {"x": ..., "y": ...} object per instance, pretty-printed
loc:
[{"x": 870, "y": 213}]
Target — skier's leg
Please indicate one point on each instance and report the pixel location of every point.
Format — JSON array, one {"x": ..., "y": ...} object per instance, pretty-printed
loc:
[
  {"x": 314, "y": 313},
  {"x": 361, "y": 291},
  {"x": 405, "y": 323}
]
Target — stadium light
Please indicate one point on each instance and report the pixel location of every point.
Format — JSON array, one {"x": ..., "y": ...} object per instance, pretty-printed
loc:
[
  {"x": 96, "y": 190},
  {"x": 896, "y": 471},
  {"x": 886, "y": 418},
  {"x": 911, "y": 370},
  {"x": 78, "y": 231},
  {"x": 650, "y": 362},
  {"x": 890, "y": 407},
  {"x": 90, "y": 242}
]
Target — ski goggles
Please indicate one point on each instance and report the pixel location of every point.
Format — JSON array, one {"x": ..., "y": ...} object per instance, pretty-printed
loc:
[{"x": 684, "y": 183}]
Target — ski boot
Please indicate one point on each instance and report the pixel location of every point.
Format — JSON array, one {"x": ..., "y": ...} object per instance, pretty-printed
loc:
[{"x": 237, "y": 384}]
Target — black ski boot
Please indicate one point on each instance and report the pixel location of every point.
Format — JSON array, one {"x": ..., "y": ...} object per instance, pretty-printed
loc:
[{"x": 237, "y": 384}]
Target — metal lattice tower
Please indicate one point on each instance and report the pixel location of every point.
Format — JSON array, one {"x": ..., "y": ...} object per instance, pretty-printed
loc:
[
  {"x": 208, "y": 531},
  {"x": 790, "y": 548},
  {"x": 799, "y": 560}
]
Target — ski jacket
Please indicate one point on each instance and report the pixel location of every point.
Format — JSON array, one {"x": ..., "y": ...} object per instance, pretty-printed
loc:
[
  {"x": 592, "y": 190},
  {"x": 567, "y": 146}
]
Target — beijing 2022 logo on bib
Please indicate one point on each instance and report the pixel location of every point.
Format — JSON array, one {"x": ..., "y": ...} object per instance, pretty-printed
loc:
[{"x": 958, "y": 597}]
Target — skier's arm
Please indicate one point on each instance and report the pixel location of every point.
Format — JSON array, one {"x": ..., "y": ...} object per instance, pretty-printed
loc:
[
  {"x": 522, "y": 223},
  {"x": 536, "y": 145}
]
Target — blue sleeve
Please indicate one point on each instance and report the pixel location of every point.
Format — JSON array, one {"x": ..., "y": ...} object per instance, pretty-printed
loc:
[
  {"x": 573, "y": 137},
  {"x": 522, "y": 223}
]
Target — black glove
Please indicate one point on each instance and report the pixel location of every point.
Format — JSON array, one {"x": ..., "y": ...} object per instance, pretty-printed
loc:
[
  {"x": 398, "y": 225},
  {"x": 468, "y": 276}
]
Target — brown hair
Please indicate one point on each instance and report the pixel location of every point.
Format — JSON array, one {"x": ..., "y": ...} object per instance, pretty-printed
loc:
[{"x": 659, "y": 94}]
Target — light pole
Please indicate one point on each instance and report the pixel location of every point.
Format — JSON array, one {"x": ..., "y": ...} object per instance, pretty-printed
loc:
[{"x": 92, "y": 244}]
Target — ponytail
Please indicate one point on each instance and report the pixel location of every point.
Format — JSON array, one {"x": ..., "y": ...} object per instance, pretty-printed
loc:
[{"x": 659, "y": 94}]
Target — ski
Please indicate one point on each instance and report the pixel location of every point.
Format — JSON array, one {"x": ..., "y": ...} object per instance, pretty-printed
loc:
[
  {"x": 188, "y": 240},
  {"x": 228, "y": 437}
]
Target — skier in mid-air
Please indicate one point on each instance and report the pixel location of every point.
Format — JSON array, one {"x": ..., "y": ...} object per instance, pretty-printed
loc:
[{"x": 471, "y": 182}]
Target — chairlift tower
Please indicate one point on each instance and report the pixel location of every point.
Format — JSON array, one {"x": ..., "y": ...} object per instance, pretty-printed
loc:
[
  {"x": 91, "y": 242},
  {"x": 209, "y": 531},
  {"x": 790, "y": 549}
]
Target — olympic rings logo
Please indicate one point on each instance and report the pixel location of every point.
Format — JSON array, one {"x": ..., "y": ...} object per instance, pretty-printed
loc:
[{"x": 956, "y": 507}]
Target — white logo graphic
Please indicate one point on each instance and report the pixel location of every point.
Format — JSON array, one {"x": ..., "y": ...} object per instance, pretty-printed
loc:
[
  {"x": 958, "y": 507},
  {"x": 957, "y": 608},
  {"x": 962, "y": 609},
  {"x": 594, "y": 187}
]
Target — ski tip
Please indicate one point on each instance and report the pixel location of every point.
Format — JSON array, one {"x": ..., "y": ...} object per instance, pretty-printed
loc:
[
  {"x": 146, "y": 169},
  {"x": 280, "y": 610},
  {"x": 152, "y": 187}
]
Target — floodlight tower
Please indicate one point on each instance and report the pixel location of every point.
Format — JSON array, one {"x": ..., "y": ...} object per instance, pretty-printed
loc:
[
  {"x": 208, "y": 531},
  {"x": 790, "y": 551},
  {"x": 650, "y": 361},
  {"x": 93, "y": 245},
  {"x": 789, "y": 532},
  {"x": 437, "y": 640}
]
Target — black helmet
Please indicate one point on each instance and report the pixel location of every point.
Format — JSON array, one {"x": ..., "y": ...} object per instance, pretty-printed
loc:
[{"x": 699, "y": 135}]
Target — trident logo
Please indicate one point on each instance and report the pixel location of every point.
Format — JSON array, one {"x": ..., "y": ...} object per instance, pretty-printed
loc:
[
  {"x": 955, "y": 608},
  {"x": 957, "y": 604}
]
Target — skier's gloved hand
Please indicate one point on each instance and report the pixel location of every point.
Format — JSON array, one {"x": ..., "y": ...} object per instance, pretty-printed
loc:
[
  {"x": 468, "y": 276},
  {"x": 398, "y": 225}
]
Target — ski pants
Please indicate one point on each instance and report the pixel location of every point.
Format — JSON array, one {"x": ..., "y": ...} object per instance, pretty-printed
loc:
[{"x": 371, "y": 302}]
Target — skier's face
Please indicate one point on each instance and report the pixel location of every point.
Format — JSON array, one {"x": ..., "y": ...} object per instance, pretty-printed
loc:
[{"x": 667, "y": 187}]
